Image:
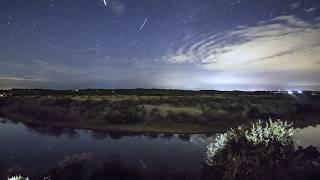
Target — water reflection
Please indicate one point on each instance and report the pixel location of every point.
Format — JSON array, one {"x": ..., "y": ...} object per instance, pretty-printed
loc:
[
  {"x": 52, "y": 131},
  {"x": 30, "y": 149},
  {"x": 38, "y": 149},
  {"x": 114, "y": 168},
  {"x": 102, "y": 135},
  {"x": 308, "y": 136}
]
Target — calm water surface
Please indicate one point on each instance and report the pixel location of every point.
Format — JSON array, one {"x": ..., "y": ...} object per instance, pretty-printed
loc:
[{"x": 38, "y": 149}]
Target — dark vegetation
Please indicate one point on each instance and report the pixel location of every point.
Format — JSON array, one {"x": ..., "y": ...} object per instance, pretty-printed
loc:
[
  {"x": 156, "y": 110},
  {"x": 240, "y": 161},
  {"x": 264, "y": 151}
]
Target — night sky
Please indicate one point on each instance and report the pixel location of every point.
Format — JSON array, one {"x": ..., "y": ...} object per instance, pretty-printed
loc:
[{"x": 180, "y": 44}]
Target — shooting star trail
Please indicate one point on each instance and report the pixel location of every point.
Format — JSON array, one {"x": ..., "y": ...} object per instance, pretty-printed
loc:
[
  {"x": 143, "y": 24},
  {"x": 105, "y": 2},
  {"x": 144, "y": 166}
]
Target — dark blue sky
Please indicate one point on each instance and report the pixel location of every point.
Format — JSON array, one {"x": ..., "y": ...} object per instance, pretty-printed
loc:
[{"x": 185, "y": 44}]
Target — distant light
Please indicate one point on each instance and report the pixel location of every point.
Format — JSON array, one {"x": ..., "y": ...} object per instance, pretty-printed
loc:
[
  {"x": 76, "y": 90},
  {"x": 290, "y": 92},
  {"x": 300, "y": 92}
]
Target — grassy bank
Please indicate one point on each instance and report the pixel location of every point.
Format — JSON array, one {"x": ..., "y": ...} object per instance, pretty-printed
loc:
[{"x": 187, "y": 112}]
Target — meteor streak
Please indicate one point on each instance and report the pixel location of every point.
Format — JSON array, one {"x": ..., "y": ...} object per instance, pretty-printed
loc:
[
  {"x": 143, "y": 24},
  {"x": 142, "y": 163},
  {"x": 105, "y": 2}
]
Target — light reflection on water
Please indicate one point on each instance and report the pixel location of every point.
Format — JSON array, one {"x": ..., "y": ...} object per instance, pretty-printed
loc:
[
  {"x": 41, "y": 148},
  {"x": 308, "y": 136}
]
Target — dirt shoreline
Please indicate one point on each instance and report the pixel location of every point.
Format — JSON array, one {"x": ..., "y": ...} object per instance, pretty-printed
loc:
[{"x": 170, "y": 128}]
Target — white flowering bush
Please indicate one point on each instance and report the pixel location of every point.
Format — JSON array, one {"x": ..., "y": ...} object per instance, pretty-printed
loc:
[
  {"x": 248, "y": 151},
  {"x": 214, "y": 148},
  {"x": 18, "y": 178},
  {"x": 221, "y": 141},
  {"x": 272, "y": 131},
  {"x": 277, "y": 131}
]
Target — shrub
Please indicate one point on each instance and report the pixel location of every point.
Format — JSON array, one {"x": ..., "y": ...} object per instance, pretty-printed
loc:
[
  {"x": 277, "y": 131},
  {"x": 18, "y": 178},
  {"x": 250, "y": 152}
]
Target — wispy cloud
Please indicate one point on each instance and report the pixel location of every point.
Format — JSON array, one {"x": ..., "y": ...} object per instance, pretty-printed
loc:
[
  {"x": 53, "y": 46},
  {"x": 310, "y": 10},
  {"x": 285, "y": 43},
  {"x": 12, "y": 78},
  {"x": 295, "y": 5}
]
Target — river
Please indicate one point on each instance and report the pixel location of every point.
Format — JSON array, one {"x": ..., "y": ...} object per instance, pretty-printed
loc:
[{"x": 37, "y": 149}]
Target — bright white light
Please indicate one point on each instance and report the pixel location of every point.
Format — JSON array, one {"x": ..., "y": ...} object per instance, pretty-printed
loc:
[
  {"x": 290, "y": 92},
  {"x": 105, "y": 2},
  {"x": 143, "y": 24},
  {"x": 300, "y": 92}
]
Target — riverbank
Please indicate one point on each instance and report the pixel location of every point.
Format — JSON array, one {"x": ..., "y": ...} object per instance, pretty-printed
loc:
[
  {"x": 163, "y": 113},
  {"x": 164, "y": 127},
  {"x": 168, "y": 128}
]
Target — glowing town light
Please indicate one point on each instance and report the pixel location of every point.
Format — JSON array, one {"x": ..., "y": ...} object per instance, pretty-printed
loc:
[
  {"x": 300, "y": 92},
  {"x": 290, "y": 92}
]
